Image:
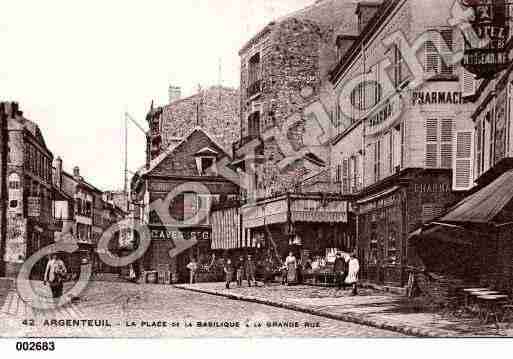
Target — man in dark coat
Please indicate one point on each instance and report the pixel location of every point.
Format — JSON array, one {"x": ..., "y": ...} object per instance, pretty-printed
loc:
[{"x": 340, "y": 270}]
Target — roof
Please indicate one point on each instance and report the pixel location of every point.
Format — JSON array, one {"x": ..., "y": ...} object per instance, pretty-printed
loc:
[
  {"x": 484, "y": 205},
  {"x": 157, "y": 160},
  {"x": 83, "y": 182}
]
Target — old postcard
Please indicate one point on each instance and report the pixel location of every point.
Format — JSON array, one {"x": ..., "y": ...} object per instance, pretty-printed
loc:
[{"x": 255, "y": 169}]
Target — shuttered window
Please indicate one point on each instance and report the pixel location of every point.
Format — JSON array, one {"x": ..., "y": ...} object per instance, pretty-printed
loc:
[
  {"x": 431, "y": 211},
  {"x": 345, "y": 175},
  {"x": 446, "y": 141},
  {"x": 439, "y": 45},
  {"x": 479, "y": 148},
  {"x": 432, "y": 143},
  {"x": 468, "y": 83},
  {"x": 462, "y": 172},
  {"x": 439, "y": 143},
  {"x": 338, "y": 174}
]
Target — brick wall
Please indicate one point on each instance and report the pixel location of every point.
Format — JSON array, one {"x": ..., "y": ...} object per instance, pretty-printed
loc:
[{"x": 296, "y": 52}]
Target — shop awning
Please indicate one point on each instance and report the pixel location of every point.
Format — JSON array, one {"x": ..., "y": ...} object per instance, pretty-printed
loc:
[
  {"x": 484, "y": 205},
  {"x": 378, "y": 195},
  {"x": 443, "y": 232}
]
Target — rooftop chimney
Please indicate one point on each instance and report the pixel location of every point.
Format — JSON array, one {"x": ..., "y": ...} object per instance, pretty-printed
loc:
[
  {"x": 175, "y": 93},
  {"x": 58, "y": 172},
  {"x": 365, "y": 10},
  {"x": 76, "y": 173}
]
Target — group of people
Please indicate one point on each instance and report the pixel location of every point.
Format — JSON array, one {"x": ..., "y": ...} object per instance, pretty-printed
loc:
[
  {"x": 346, "y": 271},
  {"x": 243, "y": 268}
]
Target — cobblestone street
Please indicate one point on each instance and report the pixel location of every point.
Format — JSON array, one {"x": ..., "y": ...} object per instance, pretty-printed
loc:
[{"x": 142, "y": 311}]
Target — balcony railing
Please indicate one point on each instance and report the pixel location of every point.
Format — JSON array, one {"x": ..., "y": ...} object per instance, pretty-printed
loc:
[{"x": 255, "y": 88}]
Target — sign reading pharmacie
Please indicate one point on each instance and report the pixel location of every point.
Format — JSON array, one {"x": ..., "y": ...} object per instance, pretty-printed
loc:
[{"x": 487, "y": 54}]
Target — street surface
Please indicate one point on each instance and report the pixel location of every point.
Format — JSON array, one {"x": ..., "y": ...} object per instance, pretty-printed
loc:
[{"x": 129, "y": 310}]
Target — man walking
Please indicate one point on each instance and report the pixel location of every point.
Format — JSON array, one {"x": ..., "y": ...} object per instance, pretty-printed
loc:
[
  {"x": 239, "y": 267},
  {"x": 250, "y": 271},
  {"x": 340, "y": 270},
  {"x": 54, "y": 276}
]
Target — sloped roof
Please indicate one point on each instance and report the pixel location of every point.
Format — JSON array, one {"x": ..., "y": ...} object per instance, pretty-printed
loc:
[
  {"x": 484, "y": 205},
  {"x": 158, "y": 160}
]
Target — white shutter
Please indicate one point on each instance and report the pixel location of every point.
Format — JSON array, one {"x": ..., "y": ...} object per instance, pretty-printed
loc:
[
  {"x": 345, "y": 175},
  {"x": 431, "y": 143},
  {"x": 468, "y": 83},
  {"x": 463, "y": 163},
  {"x": 446, "y": 141}
]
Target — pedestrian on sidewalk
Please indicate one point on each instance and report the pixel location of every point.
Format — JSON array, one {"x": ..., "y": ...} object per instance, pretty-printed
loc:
[
  {"x": 340, "y": 271},
  {"x": 352, "y": 275},
  {"x": 228, "y": 271},
  {"x": 250, "y": 269},
  {"x": 291, "y": 263},
  {"x": 239, "y": 267},
  {"x": 193, "y": 270},
  {"x": 55, "y": 274}
]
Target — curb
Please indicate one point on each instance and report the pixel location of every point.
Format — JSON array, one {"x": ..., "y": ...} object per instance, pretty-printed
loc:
[{"x": 345, "y": 317}]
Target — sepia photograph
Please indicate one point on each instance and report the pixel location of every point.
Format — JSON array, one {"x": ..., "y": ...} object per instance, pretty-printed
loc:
[{"x": 255, "y": 169}]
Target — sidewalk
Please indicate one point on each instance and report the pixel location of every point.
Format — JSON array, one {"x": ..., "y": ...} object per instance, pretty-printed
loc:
[{"x": 371, "y": 307}]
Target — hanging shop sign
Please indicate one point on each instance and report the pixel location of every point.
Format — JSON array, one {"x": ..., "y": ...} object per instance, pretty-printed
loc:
[
  {"x": 489, "y": 20},
  {"x": 436, "y": 98}
]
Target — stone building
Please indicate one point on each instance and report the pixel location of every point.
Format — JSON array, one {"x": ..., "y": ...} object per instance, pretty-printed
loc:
[
  {"x": 398, "y": 152},
  {"x": 215, "y": 109},
  {"x": 286, "y": 107},
  {"x": 181, "y": 229},
  {"x": 29, "y": 190}
]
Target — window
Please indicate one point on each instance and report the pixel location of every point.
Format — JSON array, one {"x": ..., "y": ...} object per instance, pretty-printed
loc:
[
  {"x": 206, "y": 163},
  {"x": 345, "y": 175},
  {"x": 254, "y": 125},
  {"x": 441, "y": 40},
  {"x": 377, "y": 160},
  {"x": 13, "y": 204},
  {"x": 254, "y": 69},
  {"x": 14, "y": 181},
  {"x": 439, "y": 143},
  {"x": 398, "y": 66}
]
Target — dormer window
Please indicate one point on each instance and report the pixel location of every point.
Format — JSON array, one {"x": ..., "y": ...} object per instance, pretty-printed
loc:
[{"x": 206, "y": 161}]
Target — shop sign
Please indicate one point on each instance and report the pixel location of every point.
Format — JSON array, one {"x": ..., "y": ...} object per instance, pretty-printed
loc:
[
  {"x": 384, "y": 117},
  {"x": 313, "y": 210},
  {"x": 436, "y": 98},
  {"x": 379, "y": 203},
  {"x": 432, "y": 188},
  {"x": 16, "y": 240},
  {"x": 489, "y": 22},
  {"x": 34, "y": 206},
  {"x": 172, "y": 234}
]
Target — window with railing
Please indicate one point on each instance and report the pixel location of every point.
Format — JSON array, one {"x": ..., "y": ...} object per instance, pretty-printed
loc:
[{"x": 254, "y": 75}]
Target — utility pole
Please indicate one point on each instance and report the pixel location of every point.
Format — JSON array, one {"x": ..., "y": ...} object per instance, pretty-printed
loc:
[{"x": 3, "y": 185}]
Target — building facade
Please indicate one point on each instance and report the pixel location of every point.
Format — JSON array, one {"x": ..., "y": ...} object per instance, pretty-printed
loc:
[
  {"x": 188, "y": 169},
  {"x": 397, "y": 151},
  {"x": 286, "y": 107},
  {"x": 215, "y": 109},
  {"x": 29, "y": 191}
]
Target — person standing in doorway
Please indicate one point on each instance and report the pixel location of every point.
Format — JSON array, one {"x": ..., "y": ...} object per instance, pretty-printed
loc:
[
  {"x": 193, "y": 270},
  {"x": 55, "y": 274},
  {"x": 250, "y": 271},
  {"x": 352, "y": 275}
]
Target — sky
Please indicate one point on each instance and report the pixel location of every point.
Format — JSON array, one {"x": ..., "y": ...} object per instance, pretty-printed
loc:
[{"x": 75, "y": 67}]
